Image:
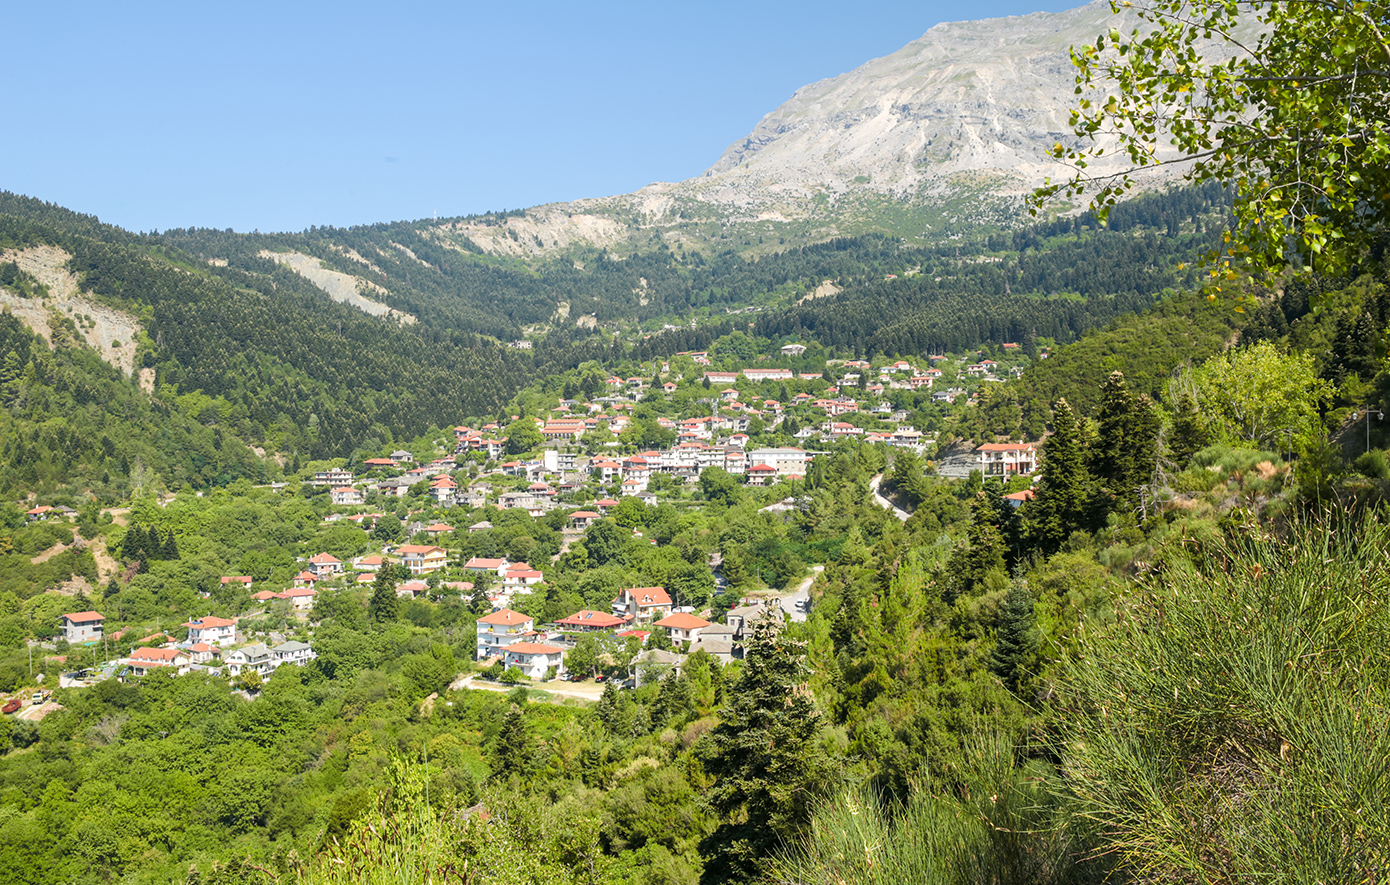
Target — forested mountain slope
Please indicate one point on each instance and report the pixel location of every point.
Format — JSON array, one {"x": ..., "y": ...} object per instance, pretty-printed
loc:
[{"x": 238, "y": 342}]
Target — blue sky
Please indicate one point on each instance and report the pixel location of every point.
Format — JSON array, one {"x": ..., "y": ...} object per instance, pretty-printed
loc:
[{"x": 277, "y": 116}]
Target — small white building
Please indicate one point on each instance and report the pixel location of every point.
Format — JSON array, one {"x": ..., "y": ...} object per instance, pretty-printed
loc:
[
  {"x": 146, "y": 660},
  {"x": 293, "y": 652},
  {"x": 501, "y": 629},
  {"x": 683, "y": 627},
  {"x": 534, "y": 659},
  {"x": 214, "y": 631},
  {"x": 251, "y": 657},
  {"x": 82, "y": 626}
]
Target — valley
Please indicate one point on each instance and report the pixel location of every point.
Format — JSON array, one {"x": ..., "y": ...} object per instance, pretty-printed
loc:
[{"x": 823, "y": 518}]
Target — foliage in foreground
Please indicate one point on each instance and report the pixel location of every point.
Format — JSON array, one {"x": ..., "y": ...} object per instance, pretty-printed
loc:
[
  {"x": 1289, "y": 107},
  {"x": 1001, "y": 827},
  {"x": 1235, "y": 719}
]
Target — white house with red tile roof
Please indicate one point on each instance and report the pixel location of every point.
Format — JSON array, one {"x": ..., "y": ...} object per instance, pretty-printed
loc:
[
  {"x": 605, "y": 505},
  {"x": 500, "y": 629},
  {"x": 146, "y": 660},
  {"x": 301, "y": 598},
  {"x": 422, "y": 559},
  {"x": 587, "y": 621},
  {"x": 484, "y": 564},
  {"x": 305, "y": 579},
  {"x": 642, "y": 603},
  {"x": 202, "y": 653},
  {"x": 761, "y": 474},
  {"x": 346, "y": 496},
  {"x": 325, "y": 564},
  {"x": 1007, "y": 459},
  {"x": 369, "y": 563},
  {"x": 266, "y": 596},
  {"x": 216, "y": 631},
  {"x": 607, "y": 470},
  {"x": 239, "y": 580},
  {"x": 438, "y": 529},
  {"x": 683, "y": 627},
  {"x": 82, "y": 626},
  {"x": 534, "y": 659},
  {"x": 582, "y": 519},
  {"x": 520, "y": 576}
]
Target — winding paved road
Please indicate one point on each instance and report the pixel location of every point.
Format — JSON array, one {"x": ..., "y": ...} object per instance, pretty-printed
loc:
[
  {"x": 884, "y": 502},
  {"x": 798, "y": 604}
]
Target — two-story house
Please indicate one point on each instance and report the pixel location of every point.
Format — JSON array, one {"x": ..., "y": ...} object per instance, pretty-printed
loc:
[
  {"x": 501, "y": 629},
  {"x": 642, "y": 603},
  {"x": 82, "y": 626},
  {"x": 214, "y": 631},
  {"x": 422, "y": 559}
]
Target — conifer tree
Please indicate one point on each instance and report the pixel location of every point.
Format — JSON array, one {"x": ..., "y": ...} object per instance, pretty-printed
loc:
[
  {"x": 169, "y": 547},
  {"x": 1016, "y": 645},
  {"x": 982, "y": 554},
  {"x": 1064, "y": 490},
  {"x": 1189, "y": 433},
  {"x": 1125, "y": 453},
  {"x": 513, "y": 751},
  {"x": 763, "y": 759},
  {"x": 384, "y": 607}
]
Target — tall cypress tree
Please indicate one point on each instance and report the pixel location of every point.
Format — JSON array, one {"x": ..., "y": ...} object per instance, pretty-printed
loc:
[
  {"x": 1065, "y": 488},
  {"x": 384, "y": 607}
]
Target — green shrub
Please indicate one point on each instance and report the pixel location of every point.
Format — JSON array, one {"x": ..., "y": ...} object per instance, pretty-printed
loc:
[{"x": 1233, "y": 723}]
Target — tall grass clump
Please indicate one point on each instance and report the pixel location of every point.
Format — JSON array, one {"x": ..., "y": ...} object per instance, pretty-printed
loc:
[
  {"x": 1233, "y": 723},
  {"x": 1002, "y": 826}
]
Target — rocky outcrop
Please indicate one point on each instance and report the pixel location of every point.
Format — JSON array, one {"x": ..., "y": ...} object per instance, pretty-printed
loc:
[{"x": 110, "y": 332}]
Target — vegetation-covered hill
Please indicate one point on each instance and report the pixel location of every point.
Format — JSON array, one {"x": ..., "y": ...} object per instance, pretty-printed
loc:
[{"x": 244, "y": 346}]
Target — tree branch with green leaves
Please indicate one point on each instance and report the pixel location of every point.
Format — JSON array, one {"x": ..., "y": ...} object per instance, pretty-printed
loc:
[{"x": 1285, "y": 100}]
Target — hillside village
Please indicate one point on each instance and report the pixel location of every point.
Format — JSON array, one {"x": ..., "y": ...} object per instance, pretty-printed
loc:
[{"x": 645, "y": 438}]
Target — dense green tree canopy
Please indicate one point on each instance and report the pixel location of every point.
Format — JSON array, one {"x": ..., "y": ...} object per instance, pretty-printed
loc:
[{"x": 1292, "y": 107}]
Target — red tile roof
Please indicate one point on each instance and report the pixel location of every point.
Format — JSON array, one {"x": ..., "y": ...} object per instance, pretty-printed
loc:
[
  {"x": 531, "y": 648},
  {"x": 682, "y": 621},
  {"x": 592, "y": 619},
  {"x": 505, "y": 618}
]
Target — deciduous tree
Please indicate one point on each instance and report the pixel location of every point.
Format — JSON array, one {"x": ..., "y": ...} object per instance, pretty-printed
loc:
[{"x": 1291, "y": 106}]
